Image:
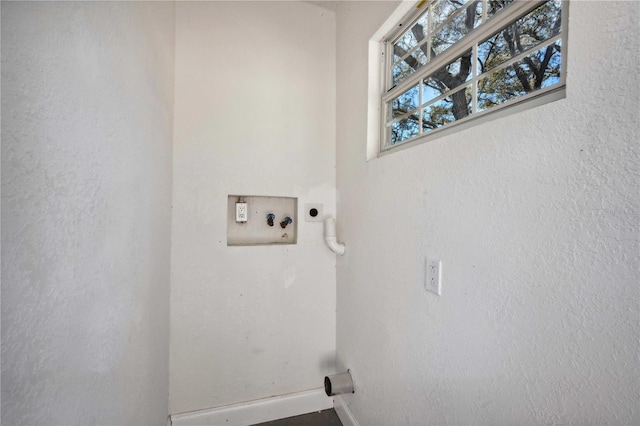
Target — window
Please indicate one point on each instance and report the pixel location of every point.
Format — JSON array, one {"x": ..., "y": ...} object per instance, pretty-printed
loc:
[{"x": 456, "y": 60}]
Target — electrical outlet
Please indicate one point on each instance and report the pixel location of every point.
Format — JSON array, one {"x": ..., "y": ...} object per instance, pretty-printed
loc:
[
  {"x": 241, "y": 212},
  {"x": 433, "y": 281}
]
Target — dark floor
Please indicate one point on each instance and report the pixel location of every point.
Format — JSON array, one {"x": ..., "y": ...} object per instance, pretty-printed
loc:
[{"x": 320, "y": 418}]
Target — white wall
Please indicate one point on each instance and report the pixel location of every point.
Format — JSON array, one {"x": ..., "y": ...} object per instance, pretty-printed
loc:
[
  {"x": 535, "y": 218},
  {"x": 254, "y": 115},
  {"x": 87, "y": 94}
]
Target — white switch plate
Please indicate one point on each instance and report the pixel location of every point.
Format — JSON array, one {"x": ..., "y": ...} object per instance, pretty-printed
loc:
[{"x": 433, "y": 282}]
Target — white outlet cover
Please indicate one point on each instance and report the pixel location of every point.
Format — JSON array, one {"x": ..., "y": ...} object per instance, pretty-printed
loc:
[
  {"x": 433, "y": 276},
  {"x": 307, "y": 212}
]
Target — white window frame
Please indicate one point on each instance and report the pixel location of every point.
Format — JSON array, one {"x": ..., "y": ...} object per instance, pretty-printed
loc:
[{"x": 380, "y": 79}]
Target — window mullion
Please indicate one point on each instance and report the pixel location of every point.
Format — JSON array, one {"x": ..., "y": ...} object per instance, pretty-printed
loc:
[
  {"x": 402, "y": 117},
  {"x": 409, "y": 53},
  {"x": 387, "y": 61},
  {"x": 564, "y": 34},
  {"x": 438, "y": 62},
  {"x": 485, "y": 13},
  {"x": 445, "y": 95},
  {"x": 420, "y": 106},
  {"x": 474, "y": 80},
  {"x": 429, "y": 28}
]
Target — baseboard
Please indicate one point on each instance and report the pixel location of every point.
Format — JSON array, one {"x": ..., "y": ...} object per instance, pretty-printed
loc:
[
  {"x": 343, "y": 412},
  {"x": 259, "y": 411}
]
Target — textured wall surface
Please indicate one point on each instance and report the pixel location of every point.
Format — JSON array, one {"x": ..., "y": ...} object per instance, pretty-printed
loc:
[
  {"x": 535, "y": 218},
  {"x": 87, "y": 94},
  {"x": 255, "y": 115}
]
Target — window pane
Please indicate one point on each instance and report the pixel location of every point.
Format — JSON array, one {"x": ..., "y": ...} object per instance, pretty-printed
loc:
[
  {"x": 403, "y": 46},
  {"x": 442, "y": 9},
  {"x": 447, "y": 78},
  {"x": 400, "y": 72},
  {"x": 494, "y": 6},
  {"x": 405, "y": 103},
  {"x": 408, "y": 66},
  {"x": 411, "y": 37},
  {"x": 536, "y": 71},
  {"x": 405, "y": 43},
  {"x": 454, "y": 107},
  {"x": 531, "y": 30},
  {"x": 456, "y": 29},
  {"x": 405, "y": 129}
]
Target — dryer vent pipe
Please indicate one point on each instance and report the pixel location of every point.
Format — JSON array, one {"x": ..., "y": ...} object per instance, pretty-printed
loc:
[
  {"x": 338, "y": 384},
  {"x": 330, "y": 236}
]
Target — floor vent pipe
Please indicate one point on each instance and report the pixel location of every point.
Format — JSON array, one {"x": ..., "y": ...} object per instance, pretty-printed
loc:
[{"x": 338, "y": 384}]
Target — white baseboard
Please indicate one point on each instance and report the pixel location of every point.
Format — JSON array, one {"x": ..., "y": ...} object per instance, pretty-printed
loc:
[
  {"x": 344, "y": 413},
  {"x": 259, "y": 411}
]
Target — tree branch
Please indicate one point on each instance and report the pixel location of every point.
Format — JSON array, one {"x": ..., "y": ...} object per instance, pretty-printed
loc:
[
  {"x": 409, "y": 60},
  {"x": 524, "y": 81}
]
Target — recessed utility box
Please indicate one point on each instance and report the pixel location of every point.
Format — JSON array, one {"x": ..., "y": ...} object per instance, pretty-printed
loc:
[{"x": 257, "y": 220}]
